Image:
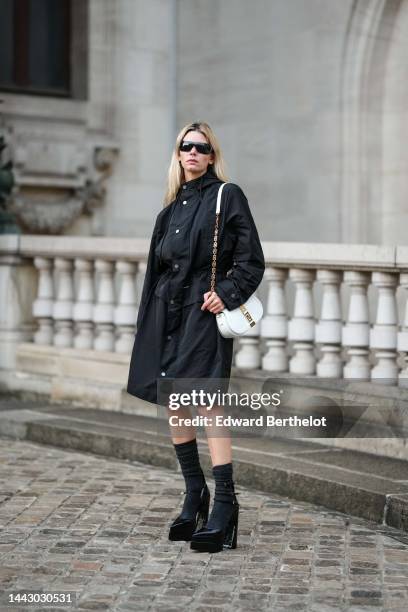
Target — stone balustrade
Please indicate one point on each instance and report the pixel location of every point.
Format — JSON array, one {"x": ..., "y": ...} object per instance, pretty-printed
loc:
[{"x": 330, "y": 310}]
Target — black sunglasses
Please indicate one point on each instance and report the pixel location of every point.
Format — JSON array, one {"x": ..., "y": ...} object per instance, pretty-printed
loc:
[{"x": 201, "y": 147}]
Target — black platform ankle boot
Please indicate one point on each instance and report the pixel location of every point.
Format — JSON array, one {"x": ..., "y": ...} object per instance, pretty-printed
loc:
[
  {"x": 194, "y": 513},
  {"x": 221, "y": 530}
]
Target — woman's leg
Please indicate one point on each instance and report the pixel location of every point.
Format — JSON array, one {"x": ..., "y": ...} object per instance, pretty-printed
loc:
[
  {"x": 197, "y": 494},
  {"x": 218, "y": 437},
  {"x": 180, "y": 432},
  {"x": 219, "y": 442}
]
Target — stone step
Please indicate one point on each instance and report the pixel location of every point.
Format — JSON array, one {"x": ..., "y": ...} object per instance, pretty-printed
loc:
[
  {"x": 356, "y": 483},
  {"x": 355, "y": 409}
]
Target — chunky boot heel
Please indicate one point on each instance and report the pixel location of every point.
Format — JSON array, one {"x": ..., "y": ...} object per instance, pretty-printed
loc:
[
  {"x": 220, "y": 531},
  {"x": 215, "y": 540},
  {"x": 230, "y": 540},
  {"x": 183, "y": 527}
]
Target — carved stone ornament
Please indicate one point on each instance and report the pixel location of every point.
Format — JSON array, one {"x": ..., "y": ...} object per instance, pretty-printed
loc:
[
  {"x": 57, "y": 180},
  {"x": 45, "y": 215}
]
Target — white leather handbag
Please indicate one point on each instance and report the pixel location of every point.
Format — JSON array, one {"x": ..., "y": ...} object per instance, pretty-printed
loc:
[{"x": 239, "y": 321}]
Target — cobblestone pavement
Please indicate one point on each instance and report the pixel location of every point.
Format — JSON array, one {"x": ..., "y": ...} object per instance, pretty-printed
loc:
[{"x": 97, "y": 527}]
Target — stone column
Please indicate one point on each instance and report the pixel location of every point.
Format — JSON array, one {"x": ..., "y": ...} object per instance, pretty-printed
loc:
[
  {"x": 355, "y": 332},
  {"x": 383, "y": 335},
  {"x": 302, "y": 324},
  {"x": 328, "y": 329},
  {"x": 274, "y": 325},
  {"x": 44, "y": 302},
  {"x": 18, "y": 281}
]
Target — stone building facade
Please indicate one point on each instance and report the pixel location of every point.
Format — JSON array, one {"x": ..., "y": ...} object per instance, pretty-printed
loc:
[{"x": 309, "y": 99}]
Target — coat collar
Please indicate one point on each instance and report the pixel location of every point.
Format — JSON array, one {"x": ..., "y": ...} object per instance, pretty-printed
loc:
[
  {"x": 208, "y": 178},
  {"x": 199, "y": 184}
]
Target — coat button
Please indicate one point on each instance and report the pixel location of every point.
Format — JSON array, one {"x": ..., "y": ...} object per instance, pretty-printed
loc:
[
  {"x": 176, "y": 267},
  {"x": 168, "y": 337},
  {"x": 184, "y": 201},
  {"x": 184, "y": 186},
  {"x": 177, "y": 231},
  {"x": 232, "y": 295},
  {"x": 171, "y": 301},
  {"x": 163, "y": 373}
]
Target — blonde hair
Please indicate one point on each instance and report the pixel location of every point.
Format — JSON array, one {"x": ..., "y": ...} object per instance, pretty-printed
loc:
[{"x": 175, "y": 175}]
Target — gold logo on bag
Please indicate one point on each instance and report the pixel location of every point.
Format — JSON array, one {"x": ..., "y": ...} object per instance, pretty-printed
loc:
[{"x": 247, "y": 315}]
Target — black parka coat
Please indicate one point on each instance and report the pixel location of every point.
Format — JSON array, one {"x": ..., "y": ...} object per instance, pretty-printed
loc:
[{"x": 175, "y": 339}]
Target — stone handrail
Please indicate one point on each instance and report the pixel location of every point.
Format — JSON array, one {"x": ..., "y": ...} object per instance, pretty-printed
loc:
[{"x": 82, "y": 292}]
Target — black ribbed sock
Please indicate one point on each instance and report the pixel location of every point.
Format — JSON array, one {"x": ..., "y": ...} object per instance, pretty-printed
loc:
[
  {"x": 187, "y": 455},
  {"x": 223, "y": 498}
]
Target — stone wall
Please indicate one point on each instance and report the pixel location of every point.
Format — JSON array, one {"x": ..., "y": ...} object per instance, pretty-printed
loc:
[{"x": 308, "y": 98}]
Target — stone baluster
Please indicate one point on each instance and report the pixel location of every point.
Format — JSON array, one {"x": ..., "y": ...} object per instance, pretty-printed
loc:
[
  {"x": 356, "y": 331},
  {"x": 301, "y": 327},
  {"x": 328, "y": 329},
  {"x": 104, "y": 307},
  {"x": 402, "y": 338},
  {"x": 83, "y": 307},
  {"x": 43, "y": 304},
  {"x": 248, "y": 356},
  {"x": 126, "y": 311},
  {"x": 63, "y": 305},
  {"x": 383, "y": 335},
  {"x": 274, "y": 324}
]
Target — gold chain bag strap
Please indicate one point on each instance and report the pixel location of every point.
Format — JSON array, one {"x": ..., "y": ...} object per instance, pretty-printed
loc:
[{"x": 239, "y": 321}]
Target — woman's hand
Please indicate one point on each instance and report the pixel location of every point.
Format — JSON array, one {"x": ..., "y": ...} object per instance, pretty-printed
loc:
[{"x": 212, "y": 302}]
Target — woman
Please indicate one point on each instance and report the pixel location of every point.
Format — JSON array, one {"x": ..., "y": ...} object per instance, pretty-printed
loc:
[{"x": 177, "y": 335}]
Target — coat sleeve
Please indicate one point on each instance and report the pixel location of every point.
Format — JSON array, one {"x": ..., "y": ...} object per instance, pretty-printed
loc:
[
  {"x": 248, "y": 258},
  {"x": 152, "y": 271}
]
